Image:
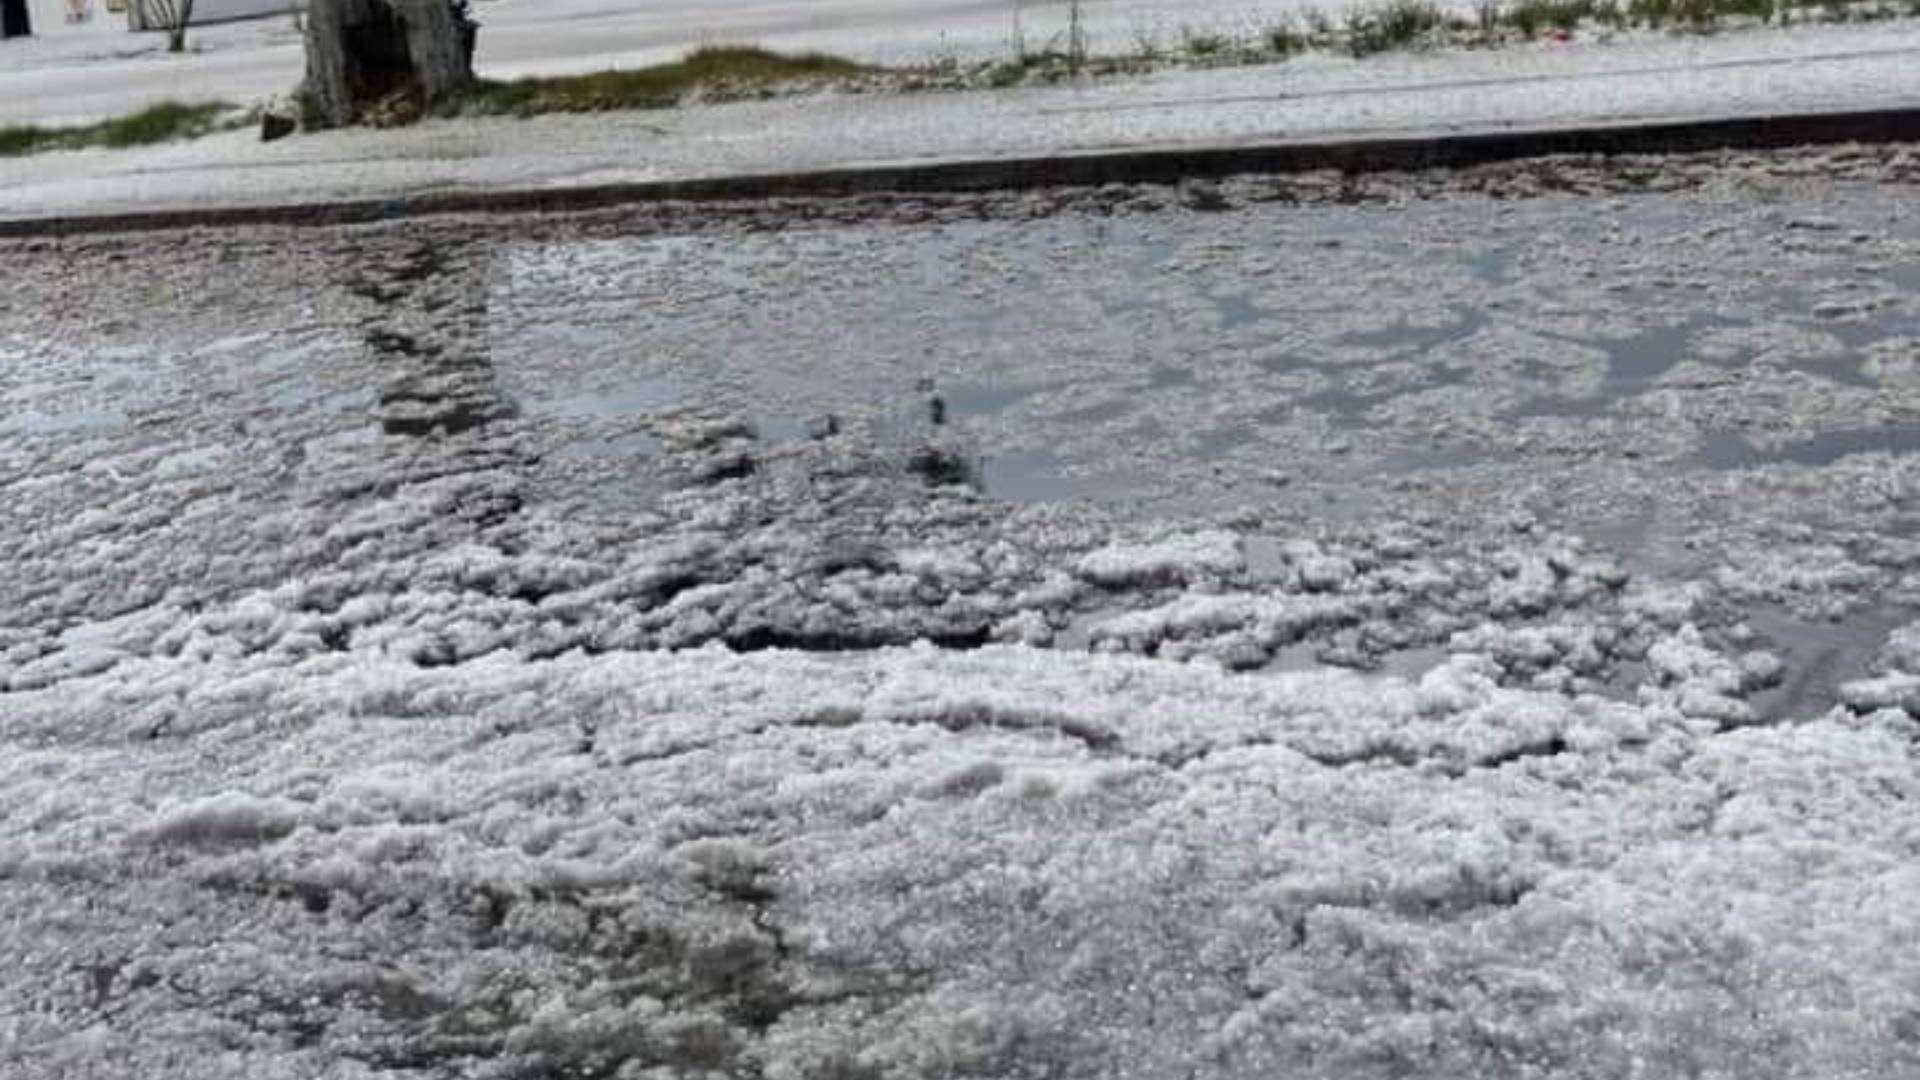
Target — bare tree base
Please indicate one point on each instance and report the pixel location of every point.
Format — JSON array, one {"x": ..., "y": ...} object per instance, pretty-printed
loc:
[{"x": 391, "y": 55}]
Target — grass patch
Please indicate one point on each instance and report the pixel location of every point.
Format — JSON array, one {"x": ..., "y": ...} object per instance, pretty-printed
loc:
[
  {"x": 1284, "y": 39},
  {"x": 1201, "y": 45},
  {"x": 1531, "y": 17},
  {"x": 1397, "y": 24},
  {"x": 1697, "y": 14},
  {"x": 164, "y": 122},
  {"x": 1046, "y": 65},
  {"x": 731, "y": 70}
]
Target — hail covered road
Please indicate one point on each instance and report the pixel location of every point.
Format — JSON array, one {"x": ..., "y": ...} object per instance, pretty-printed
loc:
[{"x": 1428, "y": 625}]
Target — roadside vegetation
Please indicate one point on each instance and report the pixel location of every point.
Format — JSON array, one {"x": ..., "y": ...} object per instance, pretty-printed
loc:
[
  {"x": 1398, "y": 25},
  {"x": 726, "y": 72},
  {"x": 158, "y": 123}
]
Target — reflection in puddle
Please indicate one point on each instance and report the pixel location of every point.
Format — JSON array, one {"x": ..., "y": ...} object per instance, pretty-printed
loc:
[
  {"x": 1729, "y": 450},
  {"x": 1237, "y": 310},
  {"x": 1557, "y": 407},
  {"x": 1161, "y": 378},
  {"x": 1072, "y": 336},
  {"x": 1405, "y": 664},
  {"x": 619, "y": 399},
  {"x": 1633, "y": 363},
  {"x": 1265, "y": 556},
  {"x": 33, "y": 421},
  {"x": 51, "y": 391},
  {"x": 1819, "y": 657},
  {"x": 1098, "y": 414},
  {"x": 1905, "y": 276},
  {"x": 1218, "y": 442},
  {"x": 982, "y": 399},
  {"x": 1349, "y": 408},
  {"x": 1636, "y": 364},
  {"x": 1038, "y": 476},
  {"x": 1430, "y": 457},
  {"x": 1410, "y": 337},
  {"x": 634, "y": 444},
  {"x": 1343, "y": 408},
  {"x": 1495, "y": 266},
  {"x": 417, "y": 417},
  {"x": 1288, "y": 363},
  {"x": 782, "y": 430}
]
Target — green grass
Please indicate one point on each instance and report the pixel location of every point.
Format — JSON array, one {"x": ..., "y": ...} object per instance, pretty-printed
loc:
[
  {"x": 1380, "y": 26},
  {"x": 1200, "y": 44},
  {"x": 1531, "y": 17},
  {"x": 159, "y": 123},
  {"x": 727, "y": 70},
  {"x": 1396, "y": 24},
  {"x": 1284, "y": 39}
]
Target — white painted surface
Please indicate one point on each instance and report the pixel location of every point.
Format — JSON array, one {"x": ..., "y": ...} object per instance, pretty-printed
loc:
[
  {"x": 67, "y": 18},
  {"x": 208, "y": 12}
]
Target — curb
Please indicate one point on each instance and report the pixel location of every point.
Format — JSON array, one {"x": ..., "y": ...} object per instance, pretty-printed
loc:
[{"x": 1162, "y": 165}]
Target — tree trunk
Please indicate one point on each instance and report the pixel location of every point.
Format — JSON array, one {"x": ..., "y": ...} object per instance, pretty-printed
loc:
[
  {"x": 363, "y": 53},
  {"x": 441, "y": 56},
  {"x": 177, "y": 32}
]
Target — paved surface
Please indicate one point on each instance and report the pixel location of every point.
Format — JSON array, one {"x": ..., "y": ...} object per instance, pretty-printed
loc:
[
  {"x": 467, "y": 648},
  {"x": 1758, "y": 73}
]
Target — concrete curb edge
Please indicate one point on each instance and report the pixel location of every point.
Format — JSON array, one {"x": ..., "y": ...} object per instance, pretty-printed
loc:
[{"x": 1162, "y": 164}]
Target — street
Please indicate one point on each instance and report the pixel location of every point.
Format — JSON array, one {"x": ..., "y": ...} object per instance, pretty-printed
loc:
[{"x": 1439, "y": 624}]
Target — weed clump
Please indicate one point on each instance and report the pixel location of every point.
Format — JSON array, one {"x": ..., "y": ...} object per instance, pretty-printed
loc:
[
  {"x": 1203, "y": 45},
  {"x": 939, "y": 467},
  {"x": 163, "y": 122},
  {"x": 1532, "y": 17},
  {"x": 1397, "y": 24},
  {"x": 725, "y": 69},
  {"x": 1286, "y": 40}
]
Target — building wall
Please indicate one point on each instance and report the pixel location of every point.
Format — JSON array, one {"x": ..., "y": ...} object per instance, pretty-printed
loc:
[
  {"x": 213, "y": 11},
  {"x": 51, "y": 17}
]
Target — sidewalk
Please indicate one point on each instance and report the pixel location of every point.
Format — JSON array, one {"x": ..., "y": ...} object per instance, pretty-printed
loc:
[
  {"x": 1758, "y": 73},
  {"x": 82, "y": 78}
]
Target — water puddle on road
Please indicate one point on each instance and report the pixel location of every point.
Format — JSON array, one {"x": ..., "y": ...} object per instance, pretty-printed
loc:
[
  {"x": 1494, "y": 266},
  {"x": 1412, "y": 338},
  {"x": 1087, "y": 356},
  {"x": 1040, "y": 476},
  {"x": 633, "y": 444},
  {"x": 1729, "y": 450},
  {"x": 1819, "y": 657},
  {"x": 1634, "y": 363},
  {"x": 1237, "y": 310},
  {"x": 1407, "y": 665},
  {"x": 981, "y": 399},
  {"x": 47, "y": 389},
  {"x": 630, "y": 398}
]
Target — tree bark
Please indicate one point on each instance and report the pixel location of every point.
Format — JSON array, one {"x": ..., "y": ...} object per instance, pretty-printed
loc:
[
  {"x": 366, "y": 52},
  {"x": 441, "y": 58},
  {"x": 177, "y": 31}
]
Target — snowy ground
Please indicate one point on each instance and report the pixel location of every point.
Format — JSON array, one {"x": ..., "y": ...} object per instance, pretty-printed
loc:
[
  {"x": 58, "y": 77},
  {"x": 1430, "y": 626},
  {"x": 81, "y": 78},
  {"x": 1738, "y": 74}
]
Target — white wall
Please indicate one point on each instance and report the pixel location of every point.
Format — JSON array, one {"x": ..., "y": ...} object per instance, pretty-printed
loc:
[
  {"x": 206, "y": 11},
  {"x": 50, "y": 17},
  {"x": 215, "y": 11}
]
